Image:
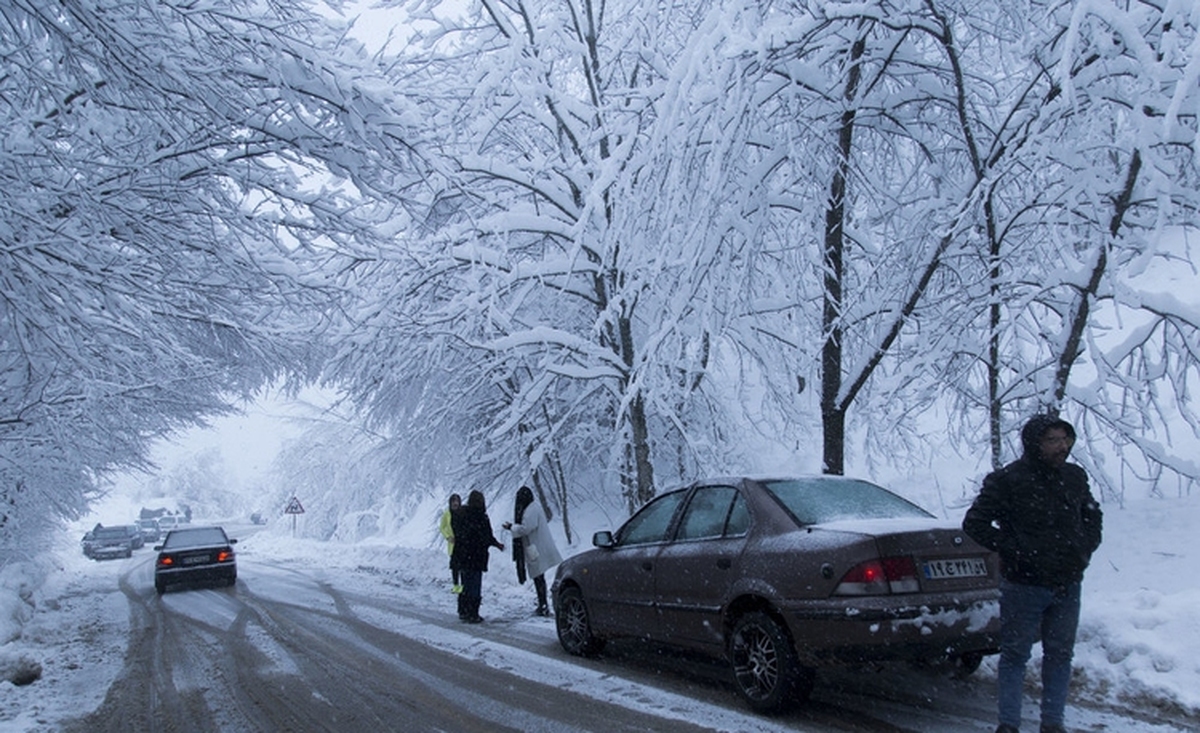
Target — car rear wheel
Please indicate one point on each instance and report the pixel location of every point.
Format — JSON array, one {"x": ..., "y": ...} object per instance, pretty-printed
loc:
[
  {"x": 160, "y": 587},
  {"x": 574, "y": 626},
  {"x": 965, "y": 664},
  {"x": 768, "y": 674}
]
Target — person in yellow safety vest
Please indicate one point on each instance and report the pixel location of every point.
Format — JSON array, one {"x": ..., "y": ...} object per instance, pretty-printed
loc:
[{"x": 447, "y": 531}]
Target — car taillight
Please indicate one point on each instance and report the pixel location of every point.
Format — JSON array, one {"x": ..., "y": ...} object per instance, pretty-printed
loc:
[
  {"x": 880, "y": 577},
  {"x": 224, "y": 555},
  {"x": 166, "y": 560}
]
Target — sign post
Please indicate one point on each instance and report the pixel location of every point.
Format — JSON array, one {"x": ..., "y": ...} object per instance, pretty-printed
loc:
[{"x": 293, "y": 507}]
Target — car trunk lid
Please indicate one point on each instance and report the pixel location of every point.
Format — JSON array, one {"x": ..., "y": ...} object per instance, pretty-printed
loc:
[{"x": 945, "y": 558}]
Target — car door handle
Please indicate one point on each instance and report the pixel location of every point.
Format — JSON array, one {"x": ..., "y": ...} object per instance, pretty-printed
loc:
[{"x": 724, "y": 563}]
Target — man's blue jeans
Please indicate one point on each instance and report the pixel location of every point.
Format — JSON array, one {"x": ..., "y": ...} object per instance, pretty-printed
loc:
[{"x": 1029, "y": 613}]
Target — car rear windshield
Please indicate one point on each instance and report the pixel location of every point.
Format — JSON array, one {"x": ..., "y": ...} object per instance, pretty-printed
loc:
[
  {"x": 817, "y": 500},
  {"x": 111, "y": 533},
  {"x": 199, "y": 537}
]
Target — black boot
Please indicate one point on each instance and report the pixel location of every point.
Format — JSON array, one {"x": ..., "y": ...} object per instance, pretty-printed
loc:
[
  {"x": 473, "y": 616},
  {"x": 539, "y": 584},
  {"x": 462, "y": 607}
]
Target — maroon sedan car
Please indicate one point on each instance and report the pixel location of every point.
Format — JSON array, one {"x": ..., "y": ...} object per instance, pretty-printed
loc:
[{"x": 780, "y": 576}]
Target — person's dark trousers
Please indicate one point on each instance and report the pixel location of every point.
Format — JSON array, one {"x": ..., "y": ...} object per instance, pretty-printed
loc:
[
  {"x": 462, "y": 607},
  {"x": 1029, "y": 613},
  {"x": 539, "y": 584},
  {"x": 472, "y": 594}
]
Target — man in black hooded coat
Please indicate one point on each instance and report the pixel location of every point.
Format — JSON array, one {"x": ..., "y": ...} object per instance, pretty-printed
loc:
[{"x": 1040, "y": 516}]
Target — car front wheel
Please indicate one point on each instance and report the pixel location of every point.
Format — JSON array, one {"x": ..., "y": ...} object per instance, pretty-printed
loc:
[
  {"x": 768, "y": 674},
  {"x": 574, "y": 626}
]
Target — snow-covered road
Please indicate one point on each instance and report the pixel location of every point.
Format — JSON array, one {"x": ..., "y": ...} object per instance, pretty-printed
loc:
[{"x": 371, "y": 643}]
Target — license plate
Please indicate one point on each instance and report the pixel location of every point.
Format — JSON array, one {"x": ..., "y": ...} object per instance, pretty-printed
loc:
[
  {"x": 962, "y": 567},
  {"x": 195, "y": 559}
]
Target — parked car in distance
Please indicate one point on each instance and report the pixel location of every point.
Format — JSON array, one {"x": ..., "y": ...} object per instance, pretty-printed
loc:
[
  {"x": 195, "y": 556},
  {"x": 136, "y": 540},
  {"x": 781, "y": 576},
  {"x": 103, "y": 543},
  {"x": 168, "y": 522},
  {"x": 149, "y": 529}
]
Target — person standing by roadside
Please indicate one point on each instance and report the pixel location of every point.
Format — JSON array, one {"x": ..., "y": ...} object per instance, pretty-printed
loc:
[
  {"x": 534, "y": 550},
  {"x": 1039, "y": 514},
  {"x": 447, "y": 529},
  {"x": 473, "y": 538}
]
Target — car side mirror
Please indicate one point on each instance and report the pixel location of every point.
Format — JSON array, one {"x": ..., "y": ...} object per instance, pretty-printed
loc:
[
  {"x": 603, "y": 539},
  {"x": 233, "y": 542}
]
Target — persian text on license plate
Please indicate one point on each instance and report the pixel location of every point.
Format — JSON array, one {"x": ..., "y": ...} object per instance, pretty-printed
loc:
[
  {"x": 961, "y": 567},
  {"x": 195, "y": 559}
]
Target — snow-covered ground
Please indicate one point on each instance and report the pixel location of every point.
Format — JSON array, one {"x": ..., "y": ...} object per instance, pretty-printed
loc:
[{"x": 1138, "y": 641}]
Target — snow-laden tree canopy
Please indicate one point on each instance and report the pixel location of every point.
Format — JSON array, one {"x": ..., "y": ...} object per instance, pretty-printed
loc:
[
  {"x": 666, "y": 229},
  {"x": 597, "y": 247},
  {"x": 166, "y": 182}
]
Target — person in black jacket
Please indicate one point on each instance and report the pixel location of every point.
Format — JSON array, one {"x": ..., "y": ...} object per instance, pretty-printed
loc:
[
  {"x": 1039, "y": 515},
  {"x": 472, "y": 539}
]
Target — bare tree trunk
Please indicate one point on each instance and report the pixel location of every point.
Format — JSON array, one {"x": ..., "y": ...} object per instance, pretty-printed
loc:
[{"x": 833, "y": 409}]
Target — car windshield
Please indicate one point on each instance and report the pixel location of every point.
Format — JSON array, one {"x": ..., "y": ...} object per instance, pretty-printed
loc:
[
  {"x": 818, "y": 499},
  {"x": 198, "y": 537},
  {"x": 147, "y": 523},
  {"x": 110, "y": 533}
]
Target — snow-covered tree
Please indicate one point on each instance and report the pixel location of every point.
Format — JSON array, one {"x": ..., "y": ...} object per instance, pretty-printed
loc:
[
  {"x": 168, "y": 174},
  {"x": 522, "y": 329}
]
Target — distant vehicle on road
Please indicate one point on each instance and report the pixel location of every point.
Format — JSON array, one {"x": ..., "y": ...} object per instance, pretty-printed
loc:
[
  {"x": 781, "y": 576},
  {"x": 258, "y": 518},
  {"x": 195, "y": 555},
  {"x": 104, "y": 543},
  {"x": 150, "y": 530},
  {"x": 168, "y": 522},
  {"x": 136, "y": 540}
]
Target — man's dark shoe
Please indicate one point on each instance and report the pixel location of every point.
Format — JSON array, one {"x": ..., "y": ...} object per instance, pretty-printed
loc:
[
  {"x": 1007, "y": 729},
  {"x": 1053, "y": 728}
]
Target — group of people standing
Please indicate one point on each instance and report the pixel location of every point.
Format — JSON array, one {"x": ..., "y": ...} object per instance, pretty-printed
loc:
[{"x": 469, "y": 539}]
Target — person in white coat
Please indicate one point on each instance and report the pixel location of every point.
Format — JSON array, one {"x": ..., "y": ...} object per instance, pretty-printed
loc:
[{"x": 534, "y": 550}]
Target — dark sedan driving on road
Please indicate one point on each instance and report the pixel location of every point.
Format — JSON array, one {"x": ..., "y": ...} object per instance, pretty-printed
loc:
[
  {"x": 781, "y": 576},
  {"x": 195, "y": 555}
]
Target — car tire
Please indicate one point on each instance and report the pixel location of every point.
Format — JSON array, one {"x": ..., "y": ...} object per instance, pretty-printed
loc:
[
  {"x": 766, "y": 670},
  {"x": 574, "y": 625},
  {"x": 128, "y": 553},
  {"x": 160, "y": 587},
  {"x": 966, "y": 663}
]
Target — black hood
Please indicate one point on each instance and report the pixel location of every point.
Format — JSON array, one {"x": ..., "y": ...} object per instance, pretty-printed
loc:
[{"x": 1031, "y": 434}]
